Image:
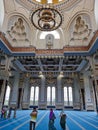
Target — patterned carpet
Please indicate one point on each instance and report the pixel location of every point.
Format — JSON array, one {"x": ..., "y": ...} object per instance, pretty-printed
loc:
[{"x": 76, "y": 120}]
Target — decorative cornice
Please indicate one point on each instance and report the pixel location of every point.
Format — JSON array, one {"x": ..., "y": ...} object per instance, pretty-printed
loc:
[{"x": 66, "y": 49}]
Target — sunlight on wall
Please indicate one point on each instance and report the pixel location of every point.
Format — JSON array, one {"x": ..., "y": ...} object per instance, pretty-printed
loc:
[
  {"x": 7, "y": 96},
  {"x": 96, "y": 12},
  {"x": 1, "y": 12},
  {"x": 54, "y": 33}
]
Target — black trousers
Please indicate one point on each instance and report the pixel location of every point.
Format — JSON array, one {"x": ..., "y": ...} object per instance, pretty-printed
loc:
[{"x": 32, "y": 124}]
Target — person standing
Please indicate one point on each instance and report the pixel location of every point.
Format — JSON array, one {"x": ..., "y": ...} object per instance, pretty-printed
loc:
[
  {"x": 2, "y": 113},
  {"x": 63, "y": 120},
  {"x": 52, "y": 117},
  {"x": 14, "y": 115},
  {"x": 5, "y": 112},
  {"x": 33, "y": 115},
  {"x": 9, "y": 113}
]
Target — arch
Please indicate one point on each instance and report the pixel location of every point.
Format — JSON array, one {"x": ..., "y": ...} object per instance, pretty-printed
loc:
[
  {"x": 34, "y": 95},
  {"x": 51, "y": 95},
  {"x": 68, "y": 96},
  {"x": 65, "y": 96},
  {"x": 49, "y": 40},
  {"x": 84, "y": 12},
  {"x": 84, "y": 36},
  {"x": 17, "y": 37}
]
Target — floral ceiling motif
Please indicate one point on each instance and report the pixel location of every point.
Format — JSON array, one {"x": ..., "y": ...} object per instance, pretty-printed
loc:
[{"x": 29, "y": 4}]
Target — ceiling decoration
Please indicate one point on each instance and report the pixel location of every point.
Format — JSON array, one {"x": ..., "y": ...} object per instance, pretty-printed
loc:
[
  {"x": 48, "y": 1},
  {"x": 64, "y": 4},
  {"x": 50, "y": 66},
  {"x": 46, "y": 18}
]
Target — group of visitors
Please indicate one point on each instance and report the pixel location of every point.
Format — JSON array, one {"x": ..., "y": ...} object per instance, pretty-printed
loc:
[
  {"x": 52, "y": 118},
  {"x": 6, "y": 113}
]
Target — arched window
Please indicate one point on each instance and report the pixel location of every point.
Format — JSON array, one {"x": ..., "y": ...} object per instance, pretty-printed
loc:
[
  {"x": 34, "y": 95},
  {"x": 65, "y": 96},
  {"x": 7, "y": 96},
  {"x": 53, "y": 96},
  {"x": 50, "y": 96},
  {"x": 68, "y": 97}
]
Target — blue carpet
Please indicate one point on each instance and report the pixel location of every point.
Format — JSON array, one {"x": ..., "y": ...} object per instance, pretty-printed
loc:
[{"x": 76, "y": 120}]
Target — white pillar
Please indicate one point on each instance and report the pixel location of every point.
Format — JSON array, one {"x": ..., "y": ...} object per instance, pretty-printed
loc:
[
  {"x": 2, "y": 93},
  {"x": 42, "y": 101},
  {"x": 88, "y": 96},
  {"x": 14, "y": 91},
  {"x": 26, "y": 94},
  {"x": 76, "y": 92},
  {"x": 59, "y": 89},
  {"x": 59, "y": 101},
  {"x": 42, "y": 98}
]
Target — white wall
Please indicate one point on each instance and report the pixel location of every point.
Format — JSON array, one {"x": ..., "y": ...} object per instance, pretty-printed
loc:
[
  {"x": 96, "y": 12},
  {"x": 1, "y": 13}
]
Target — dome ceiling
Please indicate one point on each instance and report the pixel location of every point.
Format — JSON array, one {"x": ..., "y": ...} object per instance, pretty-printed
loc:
[
  {"x": 64, "y": 4},
  {"x": 53, "y": 2},
  {"x": 47, "y": 1}
]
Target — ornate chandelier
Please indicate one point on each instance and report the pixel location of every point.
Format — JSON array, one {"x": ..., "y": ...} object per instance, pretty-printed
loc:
[{"x": 46, "y": 18}]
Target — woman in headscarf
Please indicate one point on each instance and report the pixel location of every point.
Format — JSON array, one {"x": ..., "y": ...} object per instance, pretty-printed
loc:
[
  {"x": 63, "y": 120},
  {"x": 51, "y": 120}
]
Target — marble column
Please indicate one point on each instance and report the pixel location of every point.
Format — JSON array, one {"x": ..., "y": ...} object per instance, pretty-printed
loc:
[
  {"x": 14, "y": 91},
  {"x": 92, "y": 92},
  {"x": 26, "y": 94},
  {"x": 88, "y": 92},
  {"x": 59, "y": 94},
  {"x": 94, "y": 75},
  {"x": 76, "y": 92},
  {"x": 42, "y": 100},
  {"x": 2, "y": 93}
]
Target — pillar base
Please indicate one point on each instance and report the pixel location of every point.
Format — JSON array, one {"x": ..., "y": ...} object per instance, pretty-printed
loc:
[
  {"x": 13, "y": 104},
  {"x": 59, "y": 106},
  {"x": 42, "y": 105},
  {"x": 25, "y": 105},
  {"x": 76, "y": 106},
  {"x": 90, "y": 107}
]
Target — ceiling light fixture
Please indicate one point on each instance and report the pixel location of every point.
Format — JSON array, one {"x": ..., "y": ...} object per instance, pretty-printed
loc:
[{"x": 46, "y": 18}]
